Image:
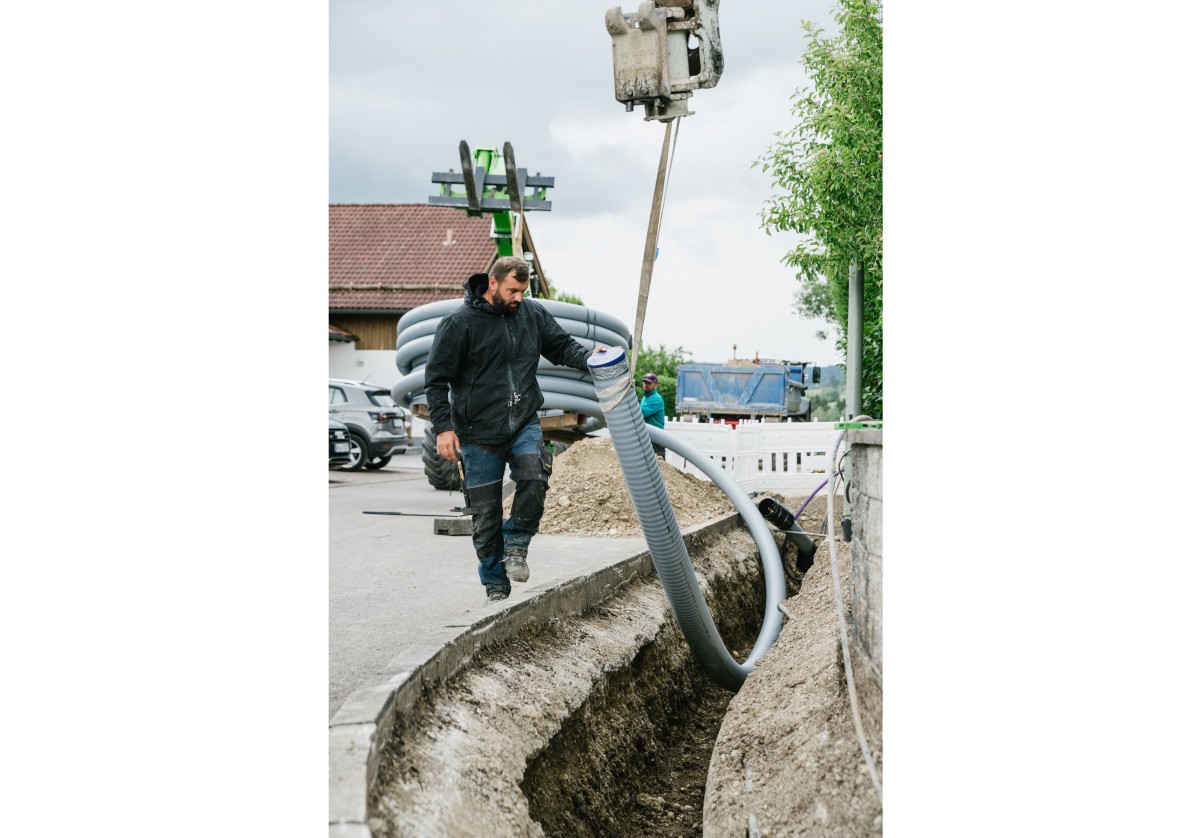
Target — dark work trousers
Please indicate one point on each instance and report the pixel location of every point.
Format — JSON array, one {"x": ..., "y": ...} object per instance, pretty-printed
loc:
[{"x": 530, "y": 465}]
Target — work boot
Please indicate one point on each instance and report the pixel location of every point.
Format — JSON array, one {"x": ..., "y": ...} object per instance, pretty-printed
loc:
[
  {"x": 497, "y": 593},
  {"x": 516, "y": 567}
]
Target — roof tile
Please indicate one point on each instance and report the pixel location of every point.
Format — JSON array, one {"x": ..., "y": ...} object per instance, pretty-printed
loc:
[{"x": 400, "y": 256}]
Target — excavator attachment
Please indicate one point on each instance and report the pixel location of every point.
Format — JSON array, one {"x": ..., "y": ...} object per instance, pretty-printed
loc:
[{"x": 664, "y": 51}]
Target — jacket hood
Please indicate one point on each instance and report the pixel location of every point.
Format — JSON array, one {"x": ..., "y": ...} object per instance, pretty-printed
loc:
[{"x": 475, "y": 285}]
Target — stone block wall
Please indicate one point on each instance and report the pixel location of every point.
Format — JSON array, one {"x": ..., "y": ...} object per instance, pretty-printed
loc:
[{"x": 866, "y": 512}]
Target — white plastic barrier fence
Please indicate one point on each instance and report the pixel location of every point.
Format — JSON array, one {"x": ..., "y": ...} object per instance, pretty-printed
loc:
[{"x": 761, "y": 456}]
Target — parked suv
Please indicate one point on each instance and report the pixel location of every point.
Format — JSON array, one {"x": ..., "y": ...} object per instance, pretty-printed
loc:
[
  {"x": 339, "y": 444},
  {"x": 378, "y": 426}
]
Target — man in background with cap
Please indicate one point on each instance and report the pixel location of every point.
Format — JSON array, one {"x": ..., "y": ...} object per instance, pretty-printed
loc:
[{"x": 653, "y": 409}]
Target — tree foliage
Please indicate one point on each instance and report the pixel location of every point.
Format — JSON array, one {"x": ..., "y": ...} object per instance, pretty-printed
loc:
[
  {"x": 552, "y": 293},
  {"x": 563, "y": 296},
  {"x": 829, "y": 167},
  {"x": 828, "y": 404}
]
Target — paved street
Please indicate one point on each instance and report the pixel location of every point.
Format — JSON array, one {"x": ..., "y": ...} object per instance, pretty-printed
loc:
[{"x": 394, "y": 584}]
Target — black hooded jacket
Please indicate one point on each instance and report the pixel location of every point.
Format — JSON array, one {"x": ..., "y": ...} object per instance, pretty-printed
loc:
[{"x": 489, "y": 360}]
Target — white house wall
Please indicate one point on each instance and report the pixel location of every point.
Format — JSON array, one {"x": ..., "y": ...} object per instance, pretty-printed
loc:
[{"x": 377, "y": 366}]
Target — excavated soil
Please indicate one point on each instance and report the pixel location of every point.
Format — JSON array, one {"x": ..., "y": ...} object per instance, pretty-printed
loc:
[
  {"x": 588, "y": 495},
  {"x": 604, "y": 724},
  {"x": 787, "y": 760}
]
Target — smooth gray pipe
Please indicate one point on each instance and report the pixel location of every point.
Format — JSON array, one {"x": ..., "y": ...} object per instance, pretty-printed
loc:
[
  {"x": 559, "y": 385},
  {"x": 557, "y": 308},
  {"x": 631, "y": 438},
  {"x": 409, "y": 357},
  {"x": 566, "y": 386},
  {"x": 421, "y": 312},
  {"x": 551, "y": 379},
  {"x": 578, "y": 328},
  {"x": 410, "y": 350},
  {"x": 584, "y": 314}
]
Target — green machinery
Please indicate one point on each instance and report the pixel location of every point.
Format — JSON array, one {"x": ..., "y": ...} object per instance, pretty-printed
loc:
[{"x": 491, "y": 183}]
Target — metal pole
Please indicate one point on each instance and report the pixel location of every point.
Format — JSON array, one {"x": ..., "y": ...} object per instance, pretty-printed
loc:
[
  {"x": 651, "y": 247},
  {"x": 854, "y": 343}
]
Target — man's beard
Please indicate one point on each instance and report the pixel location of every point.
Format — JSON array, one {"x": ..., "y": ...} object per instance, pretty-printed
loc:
[{"x": 506, "y": 308}]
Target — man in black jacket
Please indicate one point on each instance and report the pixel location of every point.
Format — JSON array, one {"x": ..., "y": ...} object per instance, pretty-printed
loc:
[{"x": 486, "y": 353}]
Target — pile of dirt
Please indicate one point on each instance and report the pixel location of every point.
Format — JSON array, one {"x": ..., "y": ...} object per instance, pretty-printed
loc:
[{"x": 588, "y": 494}]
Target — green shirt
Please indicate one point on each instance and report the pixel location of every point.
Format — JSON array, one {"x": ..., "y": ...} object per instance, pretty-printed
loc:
[{"x": 654, "y": 411}]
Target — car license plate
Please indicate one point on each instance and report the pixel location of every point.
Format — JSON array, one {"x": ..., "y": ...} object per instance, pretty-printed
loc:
[
  {"x": 398, "y": 423},
  {"x": 341, "y": 447}
]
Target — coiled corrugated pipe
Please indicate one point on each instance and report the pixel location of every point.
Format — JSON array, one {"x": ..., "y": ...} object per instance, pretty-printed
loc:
[
  {"x": 631, "y": 438},
  {"x": 414, "y": 336}
]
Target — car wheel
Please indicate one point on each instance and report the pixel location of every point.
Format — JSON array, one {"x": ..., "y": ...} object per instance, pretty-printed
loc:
[
  {"x": 358, "y": 453},
  {"x": 379, "y": 462},
  {"x": 441, "y": 473}
]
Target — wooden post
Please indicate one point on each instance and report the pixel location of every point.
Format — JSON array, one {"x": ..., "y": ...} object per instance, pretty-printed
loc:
[{"x": 651, "y": 247}]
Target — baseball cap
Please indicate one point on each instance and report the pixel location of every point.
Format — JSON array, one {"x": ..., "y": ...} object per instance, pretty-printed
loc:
[{"x": 650, "y": 377}]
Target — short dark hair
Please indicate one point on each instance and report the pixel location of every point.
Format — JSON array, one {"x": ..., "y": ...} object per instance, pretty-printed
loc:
[{"x": 506, "y": 265}]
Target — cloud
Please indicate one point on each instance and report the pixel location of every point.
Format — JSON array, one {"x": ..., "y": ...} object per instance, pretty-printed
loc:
[{"x": 408, "y": 81}]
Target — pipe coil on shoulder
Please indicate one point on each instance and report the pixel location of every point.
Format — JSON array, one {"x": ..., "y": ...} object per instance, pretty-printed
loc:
[{"x": 414, "y": 338}]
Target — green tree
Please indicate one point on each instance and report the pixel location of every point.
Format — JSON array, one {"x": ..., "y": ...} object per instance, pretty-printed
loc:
[
  {"x": 829, "y": 167},
  {"x": 552, "y": 293},
  {"x": 664, "y": 363},
  {"x": 563, "y": 296},
  {"x": 828, "y": 404}
]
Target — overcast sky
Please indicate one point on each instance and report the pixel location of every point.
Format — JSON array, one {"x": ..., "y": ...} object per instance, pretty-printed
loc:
[{"x": 409, "y": 80}]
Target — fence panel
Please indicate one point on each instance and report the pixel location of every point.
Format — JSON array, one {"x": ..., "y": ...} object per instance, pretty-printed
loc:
[{"x": 761, "y": 456}]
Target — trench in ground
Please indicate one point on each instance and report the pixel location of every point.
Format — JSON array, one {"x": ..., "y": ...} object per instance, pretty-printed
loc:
[{"x": 626, "y": 756}]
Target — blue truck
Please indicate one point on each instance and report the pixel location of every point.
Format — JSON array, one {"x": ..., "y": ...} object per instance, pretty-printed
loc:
[{"x": 740, "y": 390}]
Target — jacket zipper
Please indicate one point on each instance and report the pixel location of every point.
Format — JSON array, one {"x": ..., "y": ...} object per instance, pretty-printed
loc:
[{"x": 514, "y": 397}]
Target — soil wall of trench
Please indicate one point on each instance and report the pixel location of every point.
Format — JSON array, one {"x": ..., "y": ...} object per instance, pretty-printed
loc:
[
  {"x": 603, "y": 724},
  {"x": 597, "y": 725}
]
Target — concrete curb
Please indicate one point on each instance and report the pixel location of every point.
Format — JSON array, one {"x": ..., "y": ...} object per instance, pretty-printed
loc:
[{"x": 364, "y": 723}]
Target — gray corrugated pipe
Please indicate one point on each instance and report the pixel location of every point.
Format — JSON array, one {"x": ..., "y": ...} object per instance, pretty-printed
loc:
[{"x": 631, "y": 438}]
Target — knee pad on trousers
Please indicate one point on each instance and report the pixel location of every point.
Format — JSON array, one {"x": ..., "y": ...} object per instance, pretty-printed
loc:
[
  {"x": 529, "y": 501},
  {"x": 531, "y": 473},
  {"x": 487, "y": 510}
]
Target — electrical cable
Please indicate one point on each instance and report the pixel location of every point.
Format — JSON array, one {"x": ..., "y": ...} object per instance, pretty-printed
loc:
[{"x": 840, "y": 608}]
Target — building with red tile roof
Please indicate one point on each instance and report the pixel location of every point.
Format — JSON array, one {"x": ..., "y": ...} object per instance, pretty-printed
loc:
[{"x": 385, "y": 259}]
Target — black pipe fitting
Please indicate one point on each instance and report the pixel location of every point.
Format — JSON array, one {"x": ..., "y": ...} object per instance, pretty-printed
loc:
[{"x": 778, "y": 515}]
